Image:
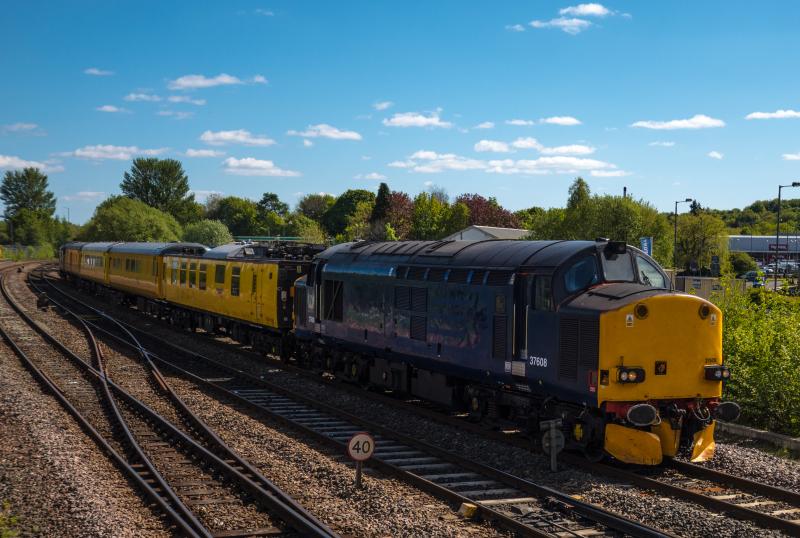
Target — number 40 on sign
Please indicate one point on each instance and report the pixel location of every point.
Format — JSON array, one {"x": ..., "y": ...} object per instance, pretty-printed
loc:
[{"x": 360, "y": 448}]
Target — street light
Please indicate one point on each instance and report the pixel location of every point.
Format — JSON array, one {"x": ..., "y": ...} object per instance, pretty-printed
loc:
[
  {"x": 675, "y": 243},
  {"x": 778, "y": 232}
]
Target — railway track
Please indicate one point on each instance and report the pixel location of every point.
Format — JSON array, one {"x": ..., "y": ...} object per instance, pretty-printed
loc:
[
  {"x": 203, "y": 492},
  {"x": 514, "y": 504}
]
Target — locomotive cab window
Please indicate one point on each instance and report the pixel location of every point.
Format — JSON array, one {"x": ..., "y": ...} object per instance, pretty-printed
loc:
[
  {"x": 649, "y": 273},
  {"x": 618, "y": 267},
  {"x": 582, "y": 274},
  {"x": 332, "y": 296}
]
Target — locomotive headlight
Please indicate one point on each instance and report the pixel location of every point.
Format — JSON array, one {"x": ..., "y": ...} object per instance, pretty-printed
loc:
[
  {"x": 717, "y": 372},
  {"x": 630, "y": 375}
]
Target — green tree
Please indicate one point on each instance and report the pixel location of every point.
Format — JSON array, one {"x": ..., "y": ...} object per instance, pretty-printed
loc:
[
  {"x": 314, "y": 206},
  {"x": 208, "y": 232},
  {"x": 162, "y": 184},
  {"x": 358, "y": 223},
  {"x": 434, "y": 218},
  {"x": 271, "y": 203},
  {"x": 31, "y": 227},
  {"x": 382, "y": 205},
  {"x": 308, "y": 230},
  {"x": 336, "y": 218},
  {"x": 240, "y": 215},
  {"x": 120, "y": 218},
  {"x": 742, "y": 262},
  {"x": 27, "y": 189},
  {"x": 699, "y": 238}
]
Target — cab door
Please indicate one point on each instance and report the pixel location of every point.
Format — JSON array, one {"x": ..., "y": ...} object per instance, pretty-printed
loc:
[{"x": 542, "y": 326}]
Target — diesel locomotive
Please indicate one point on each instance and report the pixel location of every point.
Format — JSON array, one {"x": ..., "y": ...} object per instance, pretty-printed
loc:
[{"x": 586, "y": 332}]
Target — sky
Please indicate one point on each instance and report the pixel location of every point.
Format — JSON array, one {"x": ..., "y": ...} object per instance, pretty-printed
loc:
[{"x": 508, "y": 99}]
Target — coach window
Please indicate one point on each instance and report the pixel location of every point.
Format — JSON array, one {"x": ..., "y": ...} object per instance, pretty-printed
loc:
[
  {"x": 183, "y": 273},
  {"x": 174, "y": 273},
  {"x": 202, "y": 276},
  {"x": 192, "y": 275},
  {"x": 155, "y": 268},
  {"x": 219, "y": 275},
  {"x": 542, "y": 296},
  {"x": 235, "y": 274},
  {"x": 649, "y": 273}
]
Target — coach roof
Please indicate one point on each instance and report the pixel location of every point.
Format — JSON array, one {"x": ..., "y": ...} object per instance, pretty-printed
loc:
[
  {"x": 157, "y": 249},
  {"x": 497, "y": 253}
]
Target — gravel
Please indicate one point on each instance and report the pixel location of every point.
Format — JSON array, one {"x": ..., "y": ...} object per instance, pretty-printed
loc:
[
  {"x": 681, "y": 518},
  {"x": 54, "y": 477}
]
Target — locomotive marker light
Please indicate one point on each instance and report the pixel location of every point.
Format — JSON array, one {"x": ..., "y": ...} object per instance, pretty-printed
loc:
[
  {"x": 552, "y": 440},
  {"x": 717, "y": 373},
  {"x": 630, "y": 375},
  {"x": 360, "y": 448}
]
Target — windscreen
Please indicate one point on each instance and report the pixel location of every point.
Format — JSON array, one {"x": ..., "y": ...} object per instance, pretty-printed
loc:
[
  {"x": 618, "y": 267},
  {"x": 582, "y": 274}
]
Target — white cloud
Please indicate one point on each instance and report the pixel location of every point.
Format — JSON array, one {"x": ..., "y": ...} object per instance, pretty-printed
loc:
[
  {"x": 382, "y": 105},
  {"x": 402, "y": 164},
  {"x": 485, "y": 125},
  {"x": 375, "y": 176},
  {"x": 515, "y": 28},
  {"x": 326, "y": 131},
  {"x": 178, "y": 115},
  {"x": 571, "y": 149},
  {"x": 698, "y": 121},
  {"x": 84, "y": 196},
  {"x": 527, "y": 143},
  {"x": 204, "y": 153},
  {"x": 105, "y": 151},
  {"x": 561, "y": 120},
  {"x": 662, "y": 144},
  {"x": 307, "y": 143},
  {"x": 715, "y": 155},
  {"x": 430, "y": 162},
  {"x": 520, "y": 123},
  {"x": 571, "y": 26},
  {"x": 185, "y": 99},
  {"x": 415, "y": 119},
  {"x": 239, "y": 136},
  {"x": 777, "y": 115},
  {"x": 94, "y": 71},
  {"x": 12, "y": 162},
  {"x": 494, "y": 146},
  {"x": 264, "y": 12},
  {"x": 193, "y": 82},
  {"x": 609, "y": 173},
  {"x": 545, "y": 165},
  {"x": 201, "y": 195},
  {"x": 111, "y": 108},
  {"x": 791, "y": 156},
  {"x": 255, "y": 167},
  {"x": 586, "y": 10},
  {"x": 22, "y": 127},
  {"x": 142, "y": 97}
]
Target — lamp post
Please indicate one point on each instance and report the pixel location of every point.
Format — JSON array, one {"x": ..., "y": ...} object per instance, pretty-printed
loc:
[
  {"x": 675, "y": 242},
  {"x": 778, "y": 233}
]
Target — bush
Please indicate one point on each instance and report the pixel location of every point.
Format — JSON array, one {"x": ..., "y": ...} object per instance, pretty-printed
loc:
[
  {"x": 742, "y": 262},
  {"x": 761, "y": 345},
  {"x": 124, "y": 219},
  {"x": 8, "y": 522},
  {"x": 208, "y": 232}
]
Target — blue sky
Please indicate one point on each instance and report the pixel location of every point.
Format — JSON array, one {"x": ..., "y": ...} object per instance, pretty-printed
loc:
[{"x": 507, "y": 99}]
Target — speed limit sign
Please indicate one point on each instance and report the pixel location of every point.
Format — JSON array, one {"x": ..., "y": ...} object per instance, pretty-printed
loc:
[{"x": 361, "y": 446}]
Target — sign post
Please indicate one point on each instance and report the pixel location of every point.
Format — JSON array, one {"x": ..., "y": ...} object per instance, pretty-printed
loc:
[
  {"x": 552, "y": 440},
  {"x": 360, "y": 448}
]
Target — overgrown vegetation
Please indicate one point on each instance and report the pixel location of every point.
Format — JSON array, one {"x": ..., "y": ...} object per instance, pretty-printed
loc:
[
  {"x": 8, "y": 522},
  {"x": 761, "y": 344}
]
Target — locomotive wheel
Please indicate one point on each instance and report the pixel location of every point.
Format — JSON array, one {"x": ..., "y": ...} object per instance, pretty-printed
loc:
[{"x": 477, "y": 408}]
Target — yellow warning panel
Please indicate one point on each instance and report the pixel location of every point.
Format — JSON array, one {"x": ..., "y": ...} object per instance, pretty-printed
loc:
[
  {"x": 703, "y": 444},
  {"x": 632, "y": 446},
  {"x": 670, "y": 439}
]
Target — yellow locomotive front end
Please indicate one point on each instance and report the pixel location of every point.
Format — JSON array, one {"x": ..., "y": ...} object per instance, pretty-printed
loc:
[{"x": 661, "y": 373}]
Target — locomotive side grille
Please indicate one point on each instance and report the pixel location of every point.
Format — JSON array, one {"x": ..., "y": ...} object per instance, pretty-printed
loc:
[
  {"x": 402, "y": 298},
  {"x": 458, "y": 276},
  {"x": 500, "y": 337},
  {"x": 419, "y": 328},
  {"x": 416, "y": 273},
  {"x": 436, "y": 274},
  {"x": 498, "y": 278},
  {"x": 568, "y": 348},
  {"x": 477, "y": 277},
  {"x": 419, "y": 299},
  {"x": 590, "y": 343}
]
